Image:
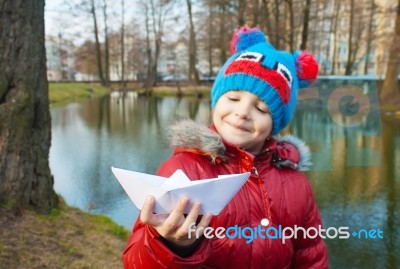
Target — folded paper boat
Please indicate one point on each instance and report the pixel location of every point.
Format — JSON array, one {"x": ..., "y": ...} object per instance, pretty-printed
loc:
[{"x": 213, "y": 193}]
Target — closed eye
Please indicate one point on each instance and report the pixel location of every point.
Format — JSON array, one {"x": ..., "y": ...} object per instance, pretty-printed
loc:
[
  {"x": 262, "y": 109},
  {"x": 233, "y": 99}
]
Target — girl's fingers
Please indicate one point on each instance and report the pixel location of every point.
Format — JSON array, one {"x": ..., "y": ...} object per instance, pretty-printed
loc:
[
  {"x": 175, "y": 218},
  {"x": 190, "y": 218},
  {"x": 204, "y": 223},
  {"x": 146, "y": 215},
  {"x": 175, "y": 226}
]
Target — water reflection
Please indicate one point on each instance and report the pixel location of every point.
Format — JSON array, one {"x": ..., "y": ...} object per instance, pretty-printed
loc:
[
  {"x": 120, "y": 130},
  {"x": 355, "y": 176}
]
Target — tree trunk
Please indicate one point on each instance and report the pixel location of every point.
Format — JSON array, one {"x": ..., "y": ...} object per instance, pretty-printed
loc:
[
  {"x": 328, "y": 47},
  {"x": 266, "y": 18},
  {"x": 25, "y": 127},
  {"x": 335, "y": 36},
  {"x": 158, "y": 21},
  {"x": 277, "y": 35},
  {"x": 252, "y": 11},
  {"x": 369, "y": 38},
  {"x": 193, "y": 74},
  {"x": 390, "y": 90},
  {"x": 241, "y": 11},
  {"x": 291, "y": 24},
  {"x": 98, "y": 50},
  {"x": 158, "y": 10},
  {"x": 123, "y": 44},
  {"x": 210, "y": 39},
  {"x": 149, "y": 83},
  {"x": 106, "y": 47},
  {"x": 222, "y": 34},
  {"x": 349, "y": 64},
  {"x": 306, "y": 19}
]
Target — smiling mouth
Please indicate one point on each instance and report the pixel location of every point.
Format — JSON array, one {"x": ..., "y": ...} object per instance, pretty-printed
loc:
[{"x": 239, "y": 127}]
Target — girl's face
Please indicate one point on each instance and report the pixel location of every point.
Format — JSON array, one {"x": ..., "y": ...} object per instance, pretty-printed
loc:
[{"x": 242, "y": 119}]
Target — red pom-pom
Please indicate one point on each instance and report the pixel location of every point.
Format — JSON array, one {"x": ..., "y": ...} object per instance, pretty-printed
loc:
[
  {"x": 306, "y": 67},
  {"x": 234, "y": 41}
]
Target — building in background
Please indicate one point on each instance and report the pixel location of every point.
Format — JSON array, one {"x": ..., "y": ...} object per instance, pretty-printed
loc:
[{"x": 60, "y": 59}]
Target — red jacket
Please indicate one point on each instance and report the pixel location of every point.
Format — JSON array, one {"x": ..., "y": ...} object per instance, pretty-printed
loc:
[{"x": 282, "y": 195}]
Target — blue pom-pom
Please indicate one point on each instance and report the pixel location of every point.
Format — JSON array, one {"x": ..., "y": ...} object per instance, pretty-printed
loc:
[{"x": 246, "y": 37}]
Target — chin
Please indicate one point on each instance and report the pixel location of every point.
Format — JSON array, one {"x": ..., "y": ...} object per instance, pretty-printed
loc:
[{"x": 237, "y": 142}]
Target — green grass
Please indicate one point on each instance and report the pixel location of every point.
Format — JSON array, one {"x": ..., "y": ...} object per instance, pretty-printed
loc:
[
  {"x": 390, "y": 107},
  {"x": 66, "y": 238},
  {"x": 167, "y": 91},
  {"x": 102, "y": 223},
  {"x": 61, "y": 93},
  {"x": 105, "y": 224}
]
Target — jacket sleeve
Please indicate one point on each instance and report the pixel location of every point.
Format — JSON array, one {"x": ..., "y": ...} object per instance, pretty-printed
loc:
[
  {"x": 310, "y": 253},
  {"x": 145, "y": 248}
]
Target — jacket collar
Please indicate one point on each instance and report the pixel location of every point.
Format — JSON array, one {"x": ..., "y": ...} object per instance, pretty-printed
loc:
[{"x": 189, "y": 136}]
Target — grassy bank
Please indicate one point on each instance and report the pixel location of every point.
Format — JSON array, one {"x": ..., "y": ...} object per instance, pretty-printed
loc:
[
  {"x": 67, "y": 238},
  {"x": 62, "y": 93},
  {"x": 161, "y": 91}
]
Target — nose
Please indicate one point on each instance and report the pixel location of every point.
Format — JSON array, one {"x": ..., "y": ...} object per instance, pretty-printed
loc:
[{"x": 242, "y": 110}]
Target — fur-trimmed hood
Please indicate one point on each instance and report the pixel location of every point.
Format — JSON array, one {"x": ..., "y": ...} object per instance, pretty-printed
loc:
[{"x": 287, "y": 151}]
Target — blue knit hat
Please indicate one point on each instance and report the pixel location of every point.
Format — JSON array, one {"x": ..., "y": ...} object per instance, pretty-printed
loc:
[{"x": 274, "y": 76}]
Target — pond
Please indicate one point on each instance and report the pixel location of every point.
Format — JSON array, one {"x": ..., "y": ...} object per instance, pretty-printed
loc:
[{"x": 356, "y": 156}]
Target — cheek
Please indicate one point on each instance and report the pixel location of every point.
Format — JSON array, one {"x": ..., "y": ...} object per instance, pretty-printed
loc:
[
  {"x": 216, "y": 117},
  {"x": 214, "y": 113},
  {"x": 218, "y": 111},
  {"x": 265, "y": 126}
]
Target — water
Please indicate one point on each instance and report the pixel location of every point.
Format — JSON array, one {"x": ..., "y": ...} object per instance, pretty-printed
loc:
[
  {"x": 356, "y": 152},
  {"x": 126, "y": 132}
]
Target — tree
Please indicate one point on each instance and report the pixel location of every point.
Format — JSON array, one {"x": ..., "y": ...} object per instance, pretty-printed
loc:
[
  {"x": 210, "y": 31},
  {"x": 370, "y": 33},
  {"x": 156, "y": 14},
  {"x": 333, "y": 31},
  {"x": 306, "y": 19},
  {"x": 98, "y": 49},
  {"x": 193, "y": 74},
  {"x": 276, "y": 36},
  {"x": 350, "y": 62},
  {"x": 25, "y": 129},
  {"x": 106, "y": 46},
  {"x": 355, "y": 36},
  {"x": 390, "y": 89},
  {"x": 123, "y": 43},
  {"x": 291, "y": 24},
  {"x": 85, "y": 59},
  {"x": 223, "y": 38}
]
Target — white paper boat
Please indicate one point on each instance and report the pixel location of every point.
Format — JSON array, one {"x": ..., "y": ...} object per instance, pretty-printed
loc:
[{"x": 214, "y": 193}]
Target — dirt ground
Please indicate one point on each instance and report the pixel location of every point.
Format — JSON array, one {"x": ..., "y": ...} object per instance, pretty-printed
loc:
[{"x": 67, "y": 238}]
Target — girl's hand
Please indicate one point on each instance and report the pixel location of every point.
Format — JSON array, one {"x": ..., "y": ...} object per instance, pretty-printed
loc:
[{"x": 174, "y": 227}]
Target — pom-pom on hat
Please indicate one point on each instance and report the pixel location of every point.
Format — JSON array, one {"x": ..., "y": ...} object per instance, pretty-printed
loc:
[{"x": 274, "y": 76}]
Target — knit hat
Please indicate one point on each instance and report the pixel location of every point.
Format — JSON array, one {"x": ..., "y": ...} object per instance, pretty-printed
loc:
[{"x": 272, "y": 75}]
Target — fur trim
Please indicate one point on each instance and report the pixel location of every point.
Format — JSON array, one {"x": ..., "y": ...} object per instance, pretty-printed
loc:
[
  {"x": 189, "y": 134},
  {"x": 186, "y": 133},
  {"x": 302, "y": 148}
]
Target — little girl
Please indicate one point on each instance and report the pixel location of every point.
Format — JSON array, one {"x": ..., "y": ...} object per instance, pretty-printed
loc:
[{"x": 253, "y": 98}]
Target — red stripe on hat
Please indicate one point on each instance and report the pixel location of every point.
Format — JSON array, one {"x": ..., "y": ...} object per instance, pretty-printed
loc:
[{"x": 276, "y": 80}]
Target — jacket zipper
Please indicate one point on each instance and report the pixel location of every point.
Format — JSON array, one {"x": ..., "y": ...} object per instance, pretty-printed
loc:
[{"x": 264, "y": 195}]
